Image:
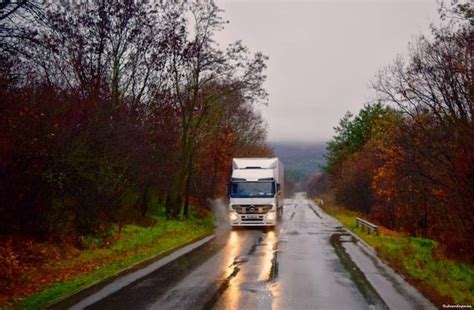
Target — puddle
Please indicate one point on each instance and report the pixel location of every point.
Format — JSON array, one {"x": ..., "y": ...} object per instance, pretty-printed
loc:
[
  {"x": 325, "y": 232},
  {"x": 314, "y": 210},
  {"x": 347, "y": 238},
  {"x": 274, "y": 268},
  {"x": 222, "y": 288},
  {"x": 363, "y": 285},
  {"x": 396, "y": 285},
  {"x": 240, "y": 260},
  {"x": 258, "y": 287}
]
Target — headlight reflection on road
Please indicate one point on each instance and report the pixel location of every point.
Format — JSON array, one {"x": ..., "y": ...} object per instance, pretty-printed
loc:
[
  {"x": 233, "y": 238},
  {"x": 267, "y": 258},
  {"x": 271, "y": 238},
  {"x": 234, "y": 248},
  {"x": 270, "y": 269}
]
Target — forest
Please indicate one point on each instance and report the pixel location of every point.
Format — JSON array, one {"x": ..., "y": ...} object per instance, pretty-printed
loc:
[
  {"x": 406, "y": 160},
  {"x": 109, "y": 105}
]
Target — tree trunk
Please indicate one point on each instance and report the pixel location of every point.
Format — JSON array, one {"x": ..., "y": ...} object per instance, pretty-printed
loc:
[
  {"x": 212, "y": 188},
  {"x": 145, "y": 200},
  {"x": 186, "y": 200},
  {"x": 187, "y": 189},
  {"x": 188, "y": 173},
  {"x": 168, "y": 206}
]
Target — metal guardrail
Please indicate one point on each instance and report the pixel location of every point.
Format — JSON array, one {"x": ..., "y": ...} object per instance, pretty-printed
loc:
[{"x": 365, "y": 224}]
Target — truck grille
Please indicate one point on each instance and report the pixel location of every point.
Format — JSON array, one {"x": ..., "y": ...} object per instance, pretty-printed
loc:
[
  {"x": 252, "y": 220},
  {"x": 252, "y": 209}
]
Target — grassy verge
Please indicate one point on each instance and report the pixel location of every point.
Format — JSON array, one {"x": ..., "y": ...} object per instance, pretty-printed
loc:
[
  {"x": 420, "y": 260},
  {"x": 95, "y": 264}
]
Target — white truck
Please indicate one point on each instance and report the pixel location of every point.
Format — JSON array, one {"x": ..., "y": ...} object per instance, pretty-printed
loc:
[{"x": 256, "y": 191}]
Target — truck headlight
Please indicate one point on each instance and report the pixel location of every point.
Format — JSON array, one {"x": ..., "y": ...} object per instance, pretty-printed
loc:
[
  {"x": 233, "y": 216},
  {"x": 270, "y": 216}
]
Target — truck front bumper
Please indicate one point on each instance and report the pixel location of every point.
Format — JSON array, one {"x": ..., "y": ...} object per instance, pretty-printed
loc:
[{"x": 268, "y": 219}]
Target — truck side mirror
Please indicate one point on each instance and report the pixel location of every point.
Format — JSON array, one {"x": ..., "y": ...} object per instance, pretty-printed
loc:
[
  {"x": 228, "y": 189},
  {"x": 278, "y": 187}
]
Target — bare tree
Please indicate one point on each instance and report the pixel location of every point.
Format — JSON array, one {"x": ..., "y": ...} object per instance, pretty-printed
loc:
[
  {"x": 195, "y": 63},
  {"x": 433, "y": 86}
]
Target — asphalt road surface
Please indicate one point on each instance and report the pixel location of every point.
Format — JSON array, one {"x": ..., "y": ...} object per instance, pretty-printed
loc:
[{"x": 307, "y": 262}]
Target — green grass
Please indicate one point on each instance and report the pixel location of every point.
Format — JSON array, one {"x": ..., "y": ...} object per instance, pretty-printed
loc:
[
  {"x": 420, "y": 260},
  {"x": 135, "y": 245}
]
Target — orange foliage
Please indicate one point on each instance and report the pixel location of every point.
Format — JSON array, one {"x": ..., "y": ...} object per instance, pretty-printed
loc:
[
  {"x": 215, "y": 159},
  {"x": 427, "y": 189}
]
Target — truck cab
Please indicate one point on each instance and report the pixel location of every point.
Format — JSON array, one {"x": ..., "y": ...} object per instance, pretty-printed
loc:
[{"x": 256, "y": 192}]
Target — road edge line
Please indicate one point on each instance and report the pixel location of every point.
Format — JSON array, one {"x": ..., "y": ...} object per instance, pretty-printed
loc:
[
  {"x": 385, "y": 264},
  {"x": 160, "y": 259},
  {"x": 362, "y": 241}
]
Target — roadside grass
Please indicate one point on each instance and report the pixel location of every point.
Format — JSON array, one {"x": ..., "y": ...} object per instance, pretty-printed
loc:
[
  {"x": 420, "y": 260},
  {"x": 136, "y": 244}
]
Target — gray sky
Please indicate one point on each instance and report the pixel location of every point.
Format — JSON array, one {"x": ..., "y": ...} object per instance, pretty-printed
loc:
[{"x": 323, "y": 54}]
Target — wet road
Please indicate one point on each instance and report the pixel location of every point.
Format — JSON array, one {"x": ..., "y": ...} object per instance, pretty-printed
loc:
[{"x": 307, "y": 262}]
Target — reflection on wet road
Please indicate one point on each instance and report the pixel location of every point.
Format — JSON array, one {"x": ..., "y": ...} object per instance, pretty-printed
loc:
[{"x": 307, "y": 262}]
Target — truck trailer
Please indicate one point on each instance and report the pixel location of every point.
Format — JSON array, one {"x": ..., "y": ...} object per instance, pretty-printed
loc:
[{"x": 256, "y": 191}]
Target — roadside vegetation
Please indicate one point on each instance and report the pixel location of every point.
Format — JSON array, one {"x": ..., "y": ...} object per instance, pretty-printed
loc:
[
  {"x": 63, "y": 272},
  {"x": 107, "y": 109},
  {"x": 422, "y": 261},
  {"x": 406, "y": 162}
]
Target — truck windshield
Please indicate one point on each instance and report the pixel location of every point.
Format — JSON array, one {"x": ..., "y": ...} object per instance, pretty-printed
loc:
[{"x": 253, "y": 189}]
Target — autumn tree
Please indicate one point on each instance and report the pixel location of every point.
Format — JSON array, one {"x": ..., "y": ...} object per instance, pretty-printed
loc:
[
  {"x": 317, "y": 183},
  {"x": 196, "y": 62},
  {"x": 236, "y": 130},
  {"x": 432, "y": 156},
  {"x": 411, "y": 167},
  {"x": 351, "y": 159},
  {"x": 107, "y": 104}
]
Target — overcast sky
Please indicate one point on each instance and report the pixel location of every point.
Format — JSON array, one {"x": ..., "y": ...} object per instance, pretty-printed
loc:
[{"x": 323, "y": 54}]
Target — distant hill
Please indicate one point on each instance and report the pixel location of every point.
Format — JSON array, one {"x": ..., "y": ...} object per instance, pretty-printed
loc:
[{"x": 300, "y": 160}]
